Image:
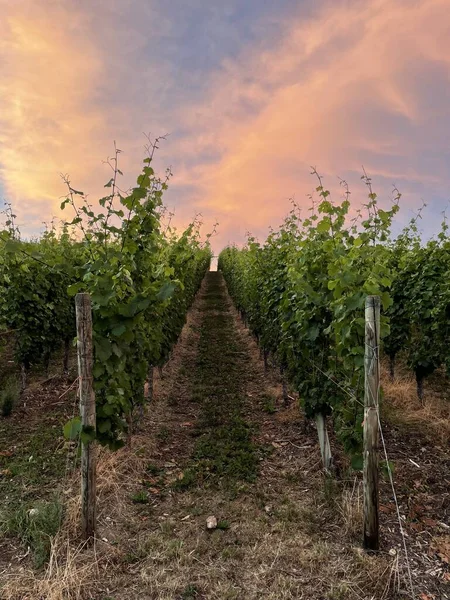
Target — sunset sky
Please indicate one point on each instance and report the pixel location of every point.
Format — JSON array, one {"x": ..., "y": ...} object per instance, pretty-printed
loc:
[{"x": 252, "y": 93}]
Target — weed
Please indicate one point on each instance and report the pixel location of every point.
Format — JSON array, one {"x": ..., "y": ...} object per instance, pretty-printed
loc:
[
  {"x": 163, "y": 434},
  {"x": 224, "y": 525},
  {"x": 140, "y": 497},
  {"x": 153, "y": 469},
  {"x": 187, "y": 480},
  {"x": 228, "y": 451},
  {"x": 269, "y": 404},
  {"x": 190, "y": 592},
  {"x": 330, "y": 490},
  {"x": 9, "y": 396},
  {"x": 36, "y": 464},
  {"x": 35, "y": 525}
]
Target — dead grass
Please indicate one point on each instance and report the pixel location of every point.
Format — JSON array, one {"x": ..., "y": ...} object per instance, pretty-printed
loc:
[
  {"x": 350, "y": 507},
  {"x": 402, "y": 405},
  {"x": 70, "y": 572},
  {"x": 289, "y": 536}
]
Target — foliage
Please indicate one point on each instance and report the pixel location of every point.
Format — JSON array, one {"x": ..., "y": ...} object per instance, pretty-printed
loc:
[
  {"x": 141, "y": 281},
  {"x": 420, "y": 313},
  {"x": 34, "y": 303},
  {"x": 303, "y": 292}
]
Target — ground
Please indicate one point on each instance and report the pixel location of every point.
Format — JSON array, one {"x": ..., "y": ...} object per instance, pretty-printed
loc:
[{"x": 218, "y": 441}]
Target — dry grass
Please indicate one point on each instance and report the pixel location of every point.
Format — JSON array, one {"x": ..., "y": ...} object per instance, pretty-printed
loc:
[
  {"x": 350, "y": 507},
  {"x": 71, "y": 571},
  {"x": 287, "y": 538},
  {"x": 74, "y": 569},
  {"x": 402, "y": 405}
]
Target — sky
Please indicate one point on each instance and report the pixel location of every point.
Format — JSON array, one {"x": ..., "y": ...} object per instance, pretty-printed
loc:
[{"x": 251, "y": 92}]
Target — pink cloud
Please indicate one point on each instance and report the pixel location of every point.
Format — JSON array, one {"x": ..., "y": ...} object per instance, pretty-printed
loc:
[{"x": 359, "y": 82}]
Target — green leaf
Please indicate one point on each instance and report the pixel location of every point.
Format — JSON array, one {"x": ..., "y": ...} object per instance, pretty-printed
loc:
[
  {"x": 103, "y": 349},
  {"x": 76, "y": 191},
  {"x": 87, "y": 434},
  {"x": 357, "y": 462},
  {"x": 72, "y": 429},
  {"x": 324, "y": 225},
  {"x": 118, "y": 330},
  {"x": 386, "y": 467},
  {"x": 386, "y": 300},
  {"x": 98, "y": 370},
  {"x": 104, "y": 426},
  {"x": 167, "y": 290},
  {"x": 73, "y": 289}
]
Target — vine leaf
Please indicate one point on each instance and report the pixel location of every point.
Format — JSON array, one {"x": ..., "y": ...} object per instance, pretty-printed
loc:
[{"x": 72, "y": 428}]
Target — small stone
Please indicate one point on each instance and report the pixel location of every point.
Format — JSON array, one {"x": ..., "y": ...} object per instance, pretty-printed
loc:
[
  {"x": 393, "y": 552},
  {"x": 268, "y": 509},
  {"x": 211, "y": 522},
  {"x": 33, "y": 512}
]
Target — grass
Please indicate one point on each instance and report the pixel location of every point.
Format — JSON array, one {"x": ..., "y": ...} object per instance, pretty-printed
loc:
[
  {"x": 224, "y": 452},
  {"x": 35, "y": 525},
  {"x": 190, "y": 592},
  {"x": 32, "y": 465},
  {"x": 269, "y": 405},
  {"x": 9, "y": 396},
  {"x": 140, "y": 497}
]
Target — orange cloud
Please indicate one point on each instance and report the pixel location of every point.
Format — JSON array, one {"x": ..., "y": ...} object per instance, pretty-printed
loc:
[
  {"x": 346, "y": 88},
  {"x": 49, "y": 121},
  {"x": 361, "y": 82}
]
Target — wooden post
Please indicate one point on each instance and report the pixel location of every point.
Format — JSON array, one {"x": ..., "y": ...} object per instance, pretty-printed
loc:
[
  {"x": 23, "y": 375},
  {"x": 150, "y": 383},
  {"x": 284, "y": 387},
  {"x": 66, "y": 356},
  {"x": 371, "y": 397},
  {"x": 88, "y": 417},
  {"x": 324, "y": 442}
]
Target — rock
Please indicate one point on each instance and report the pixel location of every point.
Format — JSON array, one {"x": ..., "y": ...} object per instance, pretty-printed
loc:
[
  {"x": 211, "y": 522},
  {"x": 392, "y": 551},
  {"x": 33, "y": 512},
  {"x": 268, "y": 509}
]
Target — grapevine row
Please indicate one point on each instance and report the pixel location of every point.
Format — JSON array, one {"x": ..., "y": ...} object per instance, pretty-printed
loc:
[
  {"x": 302, "y": 294},
  {"x": 141, "y": 277}
]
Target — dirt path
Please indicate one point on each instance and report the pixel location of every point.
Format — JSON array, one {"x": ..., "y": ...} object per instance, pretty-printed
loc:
[
  {"x": 224, "y": 448},
  {"x": 217, "y": 441}
]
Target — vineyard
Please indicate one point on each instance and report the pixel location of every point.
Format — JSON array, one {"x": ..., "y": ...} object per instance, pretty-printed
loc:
[
  {"x": 141, "y": 281},
  {"x": 195, "y": 403},
  {"x": 302, "y": 294}
]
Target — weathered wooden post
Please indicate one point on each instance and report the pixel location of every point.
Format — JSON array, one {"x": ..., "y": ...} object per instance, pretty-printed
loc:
[
  {"x": 150, "y": 384},
  {"x": 324, "y": 442},
  {"x": 371, "y": 397},
  {"x": 88, "y": 416}
]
